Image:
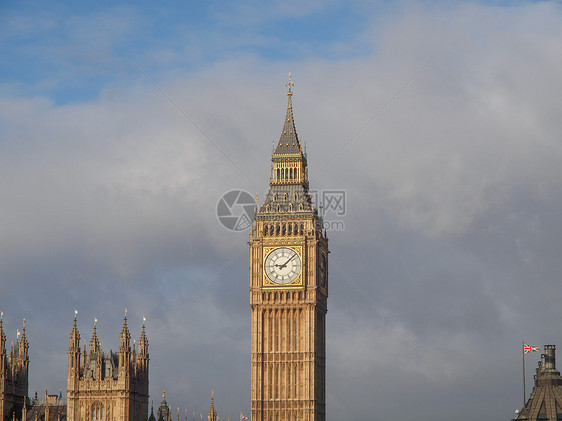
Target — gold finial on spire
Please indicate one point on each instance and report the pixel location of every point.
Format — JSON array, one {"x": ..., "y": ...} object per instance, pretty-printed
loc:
[
  {"x": 125, "y": 312},
  {"x": 290, "y": 85},
  {"x": 17, "y": 333},
  {"x": 163, "y": 394},
  {"x": 1, "y": 315},
  {"x": 95, "y": 321},
  {"x": 75, "y": 313},
  {"x": 24, "y": 323}
]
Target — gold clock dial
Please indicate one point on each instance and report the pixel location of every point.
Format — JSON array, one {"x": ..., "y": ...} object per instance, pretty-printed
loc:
[{"x": 283, "y": 265}]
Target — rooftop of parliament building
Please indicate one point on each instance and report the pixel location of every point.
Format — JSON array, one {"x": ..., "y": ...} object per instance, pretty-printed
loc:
[
  {"x": 100, "y": 385},
  {"x": 545, "y": 401}
]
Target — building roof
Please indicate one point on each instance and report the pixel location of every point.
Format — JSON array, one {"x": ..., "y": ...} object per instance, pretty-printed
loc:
[
  {"x": 289, "y": 198},
  {"x": 545, "y": 402}
]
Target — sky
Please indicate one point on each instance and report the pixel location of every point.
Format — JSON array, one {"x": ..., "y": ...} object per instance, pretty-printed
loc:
[{"x": 122, "y": 124}]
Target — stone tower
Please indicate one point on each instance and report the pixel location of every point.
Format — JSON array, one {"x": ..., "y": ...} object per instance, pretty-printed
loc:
[
  {"x": 14, "y": 369},
  {"x": 212, "y": 415},
  {"x": 288, "y": 291},
  {"x": 107, "y": 385},
  {"x": 545, "y": 402}
]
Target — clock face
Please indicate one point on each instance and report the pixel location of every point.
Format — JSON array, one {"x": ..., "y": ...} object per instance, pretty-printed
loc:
[
  {"x": 323, "y": 270},
  {"x": 283, "y": 265}
]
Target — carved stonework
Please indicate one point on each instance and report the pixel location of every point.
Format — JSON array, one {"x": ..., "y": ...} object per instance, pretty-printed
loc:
[
  {"x": 288, "y": 292},
  {"x": 107, "y": 386}
]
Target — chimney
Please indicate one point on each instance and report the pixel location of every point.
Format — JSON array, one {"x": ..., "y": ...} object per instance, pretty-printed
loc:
[{"x": 549, "y": 358}]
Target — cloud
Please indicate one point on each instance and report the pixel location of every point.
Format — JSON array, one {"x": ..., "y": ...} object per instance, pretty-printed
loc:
[{"x": 452, "y": 225}]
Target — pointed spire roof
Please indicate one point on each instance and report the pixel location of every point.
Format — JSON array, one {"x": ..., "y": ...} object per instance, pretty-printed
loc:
[
  {"x": 2, "y": 334},
  {"x": 546, "y": 398},
  {"x": 75, "y": 335},
  {"x": 143, "y": 341},
  {"x": 212, "y": 413},
  {"x": 94, "y": 342},
  {"x": 23, "y": 344},
  {"x": 289, "y": 140},
  {"x": 152, "y": 417},
  {"x": 125, "y": 335}
]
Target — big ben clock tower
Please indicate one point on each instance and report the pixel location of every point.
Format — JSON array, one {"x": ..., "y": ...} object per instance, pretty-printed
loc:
[{"x": 288, "y": 291}]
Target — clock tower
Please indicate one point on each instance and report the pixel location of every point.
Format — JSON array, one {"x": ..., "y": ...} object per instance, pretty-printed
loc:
[{"x": 288, "y": 291}]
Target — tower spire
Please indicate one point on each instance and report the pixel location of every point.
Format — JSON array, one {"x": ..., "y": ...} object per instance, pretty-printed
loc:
[
  {"x": 94, "y": 343},
  {"x": 2, "y": 335},
  {"x": 288, "y": 141}
]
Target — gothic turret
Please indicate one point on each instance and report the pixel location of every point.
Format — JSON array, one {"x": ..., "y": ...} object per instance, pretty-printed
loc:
[
  {"x": 74, "y": 355},
  {"x": 212, "y": 416},
  {"x": 545, "y": 402},
  {"x": 113, "y": 384},
  {"x": 163, "y": 413},
  {"x": 3, "y": 357},
  {"x": 13, "y": 374},
  {"x": 94, "y": 342},
  {"x": 124, "y": 348},
  {"x": 142, "y": 358}
]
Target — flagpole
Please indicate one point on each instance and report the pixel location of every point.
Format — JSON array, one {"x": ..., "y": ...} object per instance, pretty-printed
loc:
[{"x": 523, "y": 355}]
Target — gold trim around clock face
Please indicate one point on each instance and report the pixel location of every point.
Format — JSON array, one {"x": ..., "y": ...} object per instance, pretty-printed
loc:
[{"x": 267, "y": 281}]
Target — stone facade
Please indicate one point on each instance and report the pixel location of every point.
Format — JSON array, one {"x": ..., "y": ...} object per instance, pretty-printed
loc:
[
  {"x": 288, "y": 291},
  {"x": 107, "y": 385},
  {"x": 14, "y": 373}
]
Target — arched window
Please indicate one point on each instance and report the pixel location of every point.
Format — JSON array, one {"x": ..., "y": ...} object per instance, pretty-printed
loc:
[
  {"x": 97, "y": 411},
  {"x": 285, "y": 197},
  {"x": 278, "y": 174},
  {"x": 296, "y": 196},
  {"x": 274, "y": 197}
]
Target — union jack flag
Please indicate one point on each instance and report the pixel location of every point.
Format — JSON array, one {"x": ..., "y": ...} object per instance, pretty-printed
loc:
[
  {"x": 243, "y": 417},
  {"x": 530, "y": 348}
]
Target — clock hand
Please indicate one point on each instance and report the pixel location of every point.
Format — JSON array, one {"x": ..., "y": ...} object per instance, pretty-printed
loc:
[{"x": 285, "y": 264}]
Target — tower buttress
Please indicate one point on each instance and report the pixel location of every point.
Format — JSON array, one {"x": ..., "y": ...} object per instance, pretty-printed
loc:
[
  {"x": 3, "y": 355},
  {"x": 143, "y": 351},
  {"x": 74, "y": 356},
  {"x": 125, "y": 352}
]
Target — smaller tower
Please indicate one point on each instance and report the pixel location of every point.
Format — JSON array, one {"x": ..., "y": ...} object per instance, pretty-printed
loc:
[
  {"x": 107, "y": 385},
  {"x": 14, "y": 369},
  {"x": 163, "y": 413},
  {"x": 545, "y": 402},
  {"x": 212, "y": 416},
  {"x": 152, "y": 417}
]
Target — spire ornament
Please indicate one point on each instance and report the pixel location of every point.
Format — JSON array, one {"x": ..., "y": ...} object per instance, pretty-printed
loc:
[{"x": 290, "y": 85}]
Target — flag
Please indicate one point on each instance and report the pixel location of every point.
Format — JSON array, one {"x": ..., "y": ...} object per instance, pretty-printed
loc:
[
  {"x": 243, "y": 417},
  {"x": 530, "y": 348}
]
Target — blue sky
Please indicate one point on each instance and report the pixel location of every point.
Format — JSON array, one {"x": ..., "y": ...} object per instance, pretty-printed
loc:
[
  {"x": 69, "y": 52},
  {"x": 122, "y": 125}
]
